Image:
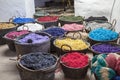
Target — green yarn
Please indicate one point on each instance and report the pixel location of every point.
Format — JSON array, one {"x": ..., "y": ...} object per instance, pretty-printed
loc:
[
  {"x": 104, "y": 73},
  {"x": 98, "y": 60}
]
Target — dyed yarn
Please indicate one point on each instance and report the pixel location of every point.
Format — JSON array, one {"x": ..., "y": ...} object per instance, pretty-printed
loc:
[
  {"x": 38, "y": 60},
  {"x": 91, "y": 18},
  {"x": 55, "y": 31},
  {"x": 14, "y": 34},
  {"x": 34, "y": 38},
  {"x": 116, "y": 78},
  {"x": 75, "y": 44},
  {"x": 102, "y": 34},
  {"x": 71, "y": 18},
  {"x": 98, "y": 60},
  {"x": 94, "y": 25},
  {"x": 48, "y": 18},
  {"x": 106, "y": 48},
  {"x": 104, "y": 73},
  {"x": 7, "y": 25},
  {"x": 78, "y": 34},
  {"x": 23, "y": 20},
  {"x": 31, "y": 27},
  {"x": 73, "y": 27},
  {"x": 75, "y": 60},
  {"x": 117, "y": 68},
  {"x": 100, "y": 68}
]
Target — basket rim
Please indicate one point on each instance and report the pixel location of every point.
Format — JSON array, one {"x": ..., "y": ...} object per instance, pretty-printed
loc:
[
  {"x": 45, "y": 69},
  {"x": 72, "y": 67},
  {"x": 96, "y": 52}
]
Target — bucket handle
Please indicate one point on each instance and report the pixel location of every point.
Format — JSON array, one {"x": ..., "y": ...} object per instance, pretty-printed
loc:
[
  {"x": 67, "y": 46},
  {"x": 25, "y": 26},
  {"x": 11, "y": 19},
  {"x": 80, "y": 36},
  {"x": 114, "y": 23}
]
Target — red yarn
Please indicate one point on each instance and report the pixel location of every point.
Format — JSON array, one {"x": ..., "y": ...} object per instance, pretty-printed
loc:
[
  {"x": 48, "y": 18},
  {"x": 111, "y": 60},
  {"x": 75, "y": 60},
  {"x": 117, "y": 68}
]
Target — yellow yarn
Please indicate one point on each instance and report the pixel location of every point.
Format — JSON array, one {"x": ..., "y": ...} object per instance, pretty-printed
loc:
[
  {"x": 75, "y": 44},
  {"x": 6, "y": 25}
]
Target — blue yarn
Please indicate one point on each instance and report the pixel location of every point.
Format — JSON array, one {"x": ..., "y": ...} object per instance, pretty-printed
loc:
[
  {"x": 23, "y": 20},
  {"x": 116, "y": 78},
  {"x": 55, "y": 32},
  {"x": 102, "y": 34},
  {"x": 38, "y": 60}
]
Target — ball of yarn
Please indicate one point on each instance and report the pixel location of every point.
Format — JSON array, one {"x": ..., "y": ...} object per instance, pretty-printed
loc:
[
  {"x": 55, "y": 31},
  {"x": 102, "y": 34},
  {"x": 35, "y": 38},
  {"x": 20, "y": 20},
  {"x": 7, "y": 25},
  {"x": 111, "y": 60},
  {"x": 104, "y": 73},
  {"x": 75, "y": 60},
  {"x": 48, "y": 18},
  {"x": 38, "y": 60}
]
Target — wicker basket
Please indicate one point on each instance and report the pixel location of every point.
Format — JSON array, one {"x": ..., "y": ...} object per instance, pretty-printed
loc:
[
  {"x": 4, "y": 31},
  {"x": 74, "y": 73},
  {"x": 25, "y": 48},
  {"x": 42, "y": 74}
]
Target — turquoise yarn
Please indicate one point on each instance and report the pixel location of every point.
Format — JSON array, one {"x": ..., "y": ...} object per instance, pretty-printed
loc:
[
  {"x": 98, "y": 60},
  {"x": 104, "y": 73}
]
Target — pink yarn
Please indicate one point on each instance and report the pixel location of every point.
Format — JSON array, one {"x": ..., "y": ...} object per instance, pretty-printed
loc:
[
  {"x": 111, "y": 60},
  {"x": 117, "y": 68},
  {"x": 73, "y": 27}
]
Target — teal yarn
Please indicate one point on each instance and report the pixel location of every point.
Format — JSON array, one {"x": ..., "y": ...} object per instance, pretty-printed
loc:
[
  {"x": 104, "y": 73},
  {"x": 98, "y": 60}
]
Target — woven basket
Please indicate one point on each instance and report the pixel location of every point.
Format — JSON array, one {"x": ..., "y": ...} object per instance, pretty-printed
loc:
[
  {"x": 25, "y": 48},
  {"x": 74, "y": 73},
  {"x": 42, "y": 74},
  {"x": 5, "y": 31}
]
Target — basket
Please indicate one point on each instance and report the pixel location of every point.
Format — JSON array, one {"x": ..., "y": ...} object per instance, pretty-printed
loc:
[
  {"x": 61, "y": 51},
  {"x": 74, "y": 73},
  {"x": 25, "y": 48},
  {"x": 4, "y": 31},
  {"x": 10, "y": 43},
  {"x": 42, "y": 74},
  {"x": 96, "y": 52}
]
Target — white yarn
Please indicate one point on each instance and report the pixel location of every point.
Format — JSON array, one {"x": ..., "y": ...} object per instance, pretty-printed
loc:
[{"x": 31, "y": 27}]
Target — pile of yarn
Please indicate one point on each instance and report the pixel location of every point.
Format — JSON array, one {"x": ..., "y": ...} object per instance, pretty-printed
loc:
[
  {"x": 102, "y": 34},
  {"x": 34, "y": 38},
  {"x": 75, "y": 60},
  {"x": 73, "y": 27},
  {"x": 14, "y": 34},
  {"x": 33, "y": 27},
  {"x": 94, "y": 25},
  {"x": 78, "y": 34},
  {"x": 100, "y": 68},
  {"x": 20, "y": 20},
  {"x": 55, "y": 31},
  {"x": 106, "y": 48},
  {"x": 71, "y": 18},
  {"x": 75, "y": 44},
  {"x": 38, "y": 60},
  {"x": 48, "y": 19},
  {"x": 7, "y": 25}
]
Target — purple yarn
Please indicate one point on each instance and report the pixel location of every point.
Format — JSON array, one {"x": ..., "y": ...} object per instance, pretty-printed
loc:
[
  {"x": 34, "y": 38},
  {"x": 106, "y": 48}
]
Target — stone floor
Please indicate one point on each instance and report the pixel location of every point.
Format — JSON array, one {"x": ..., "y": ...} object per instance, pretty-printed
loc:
[{"x": 9, "y": 71}]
